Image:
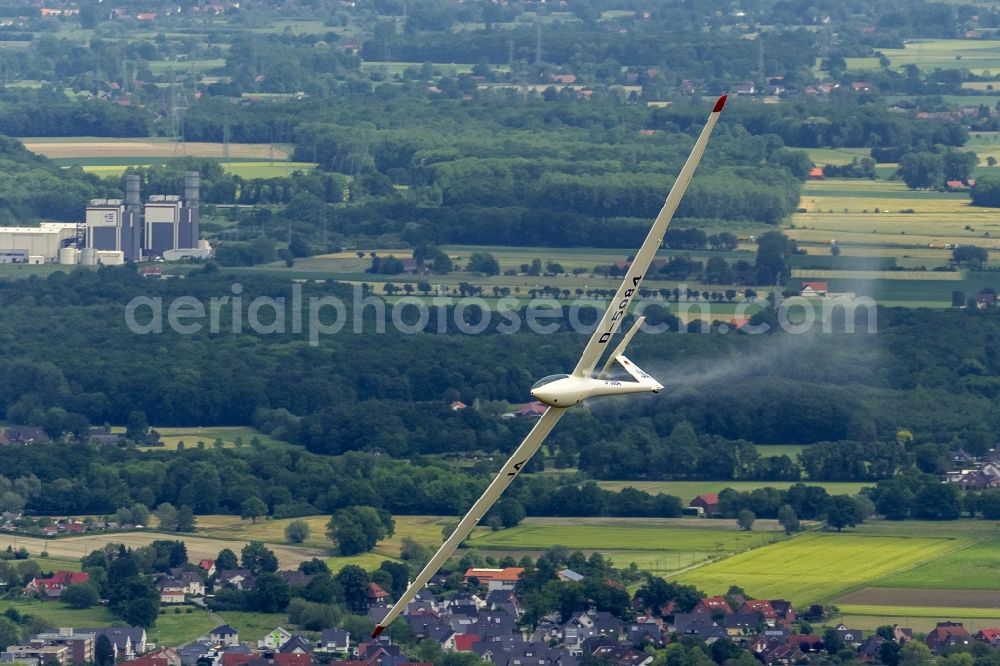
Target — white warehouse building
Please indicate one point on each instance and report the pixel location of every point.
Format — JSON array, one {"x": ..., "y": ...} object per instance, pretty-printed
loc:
[{"x": 43, "y": 241}]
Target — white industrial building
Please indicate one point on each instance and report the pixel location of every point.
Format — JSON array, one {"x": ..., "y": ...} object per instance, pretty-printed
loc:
[{"x": 43, "y": 241}]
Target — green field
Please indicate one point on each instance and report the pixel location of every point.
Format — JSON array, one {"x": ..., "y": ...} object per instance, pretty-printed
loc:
[
  {"x": 423, "y": 529},
  {"x": 938, "y": 612},
  {"x": 975, "y": 55},
  {"x": 688, "y": 490},
  {"x": 917, "y": 623},
  {"x": 836, "y": 156},
  {"x": 972, "y": 568},
  {"x": 883, "y": 220},
  {"x": 769, "y": 450},
  {"x": 253, "y": 626},
  {"x": 655, "y": 544},
  {"x": 816, "y": 566},
  {"x": 173, "y": 628},
  {"x": 193, "y": 66},
  {"x": 57, "y": 615}
]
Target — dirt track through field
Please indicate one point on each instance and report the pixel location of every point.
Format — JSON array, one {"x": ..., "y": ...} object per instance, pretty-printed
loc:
[
  {"x": 905, "y": 596},
  {"x": 139, "y": 148},
  {"x": 198, "y": 548}
]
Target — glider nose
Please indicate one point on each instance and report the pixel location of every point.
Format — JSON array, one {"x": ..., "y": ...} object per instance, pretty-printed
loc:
[{"x": 541, "y": 395}]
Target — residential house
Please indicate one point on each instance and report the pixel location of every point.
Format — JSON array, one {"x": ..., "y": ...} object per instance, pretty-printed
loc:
[
  {"x": 850, "y": 637},
  {"x": 763, "y": 608},
  {"x": 946, "y": 635},
  {"x": 274, "y": 639},
  {"x": 644, "y": 633},
  {"x": 295, "y": 578},
  {"x": 237, "y": 655},
  {"x": 171, "y": 591},
  {"x": 464, "y": 642},
  {"x": 901, "y": 634},
  {"x": 816, "y": 173},
  {"x": 784, "y": 611},
  {"x": 192, "y": 652},
  {"x": 504, "y": 600},
  {"x": 225, "y": 635},
  {"x": 870, "y": 651},
  {"x": 334, "y": 640},
  {"x": 126, "y": 642},
  {"x": 24, "y": 435},
  {"x": 785, "y": 654},
  {"x": 375, "y": 595},
  {"x": 741, "y": 624},
  {"x": 167, "y": 656},
  {"x": 288, "y": 659},
  {"x": 241, "y": 579},
  {"x": 533, "y": 408},
  {"x": 53, "y": 586},
  {"x": 713, "y": 606},
  {"x": 191, "y": 581},
  {"x": 806, "y": 642},
  {"x": 296, "y": 645},
  {"x": 697, "y": 624},
  {"x": 707, "y": 503},
  {"x": 989, "y": 635},
  {"x": 208, "y": 566}
]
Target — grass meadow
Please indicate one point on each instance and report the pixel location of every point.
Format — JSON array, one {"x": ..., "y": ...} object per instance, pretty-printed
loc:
[
  {"x": 176, "y": 628},
  {"x": 971, "y": 568},
  {"x": 816, "y": 567},
  {"x": 688, "y": 490},
  {"x": 919, "y": 623},
  {"x": 975, "y": 55},
  {"x": 660, "y": 545}
]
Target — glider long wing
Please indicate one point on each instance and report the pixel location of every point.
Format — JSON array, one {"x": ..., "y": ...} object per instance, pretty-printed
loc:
[
  {"x": 508, "y": 473},
  {"x": 612, "y": 319},
  {"x": 591, "y": 355}
]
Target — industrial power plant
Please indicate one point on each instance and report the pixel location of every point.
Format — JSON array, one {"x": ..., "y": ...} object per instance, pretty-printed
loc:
[{"x": 114, "y": 231}]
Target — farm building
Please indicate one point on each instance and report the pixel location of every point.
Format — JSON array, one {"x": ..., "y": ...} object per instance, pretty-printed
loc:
[
  {"x": 495, "y": 579},
  {"x": 706, "y": 503},
  {"x": 815, "y": 289}
]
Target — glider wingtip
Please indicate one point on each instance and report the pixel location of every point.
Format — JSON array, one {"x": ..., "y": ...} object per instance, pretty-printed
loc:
[
  {"x": 721, "y": 102},
  {"x": 378, "y": 630}
]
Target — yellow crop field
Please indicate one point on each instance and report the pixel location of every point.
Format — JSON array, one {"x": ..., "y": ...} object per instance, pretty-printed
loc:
[
  {"x": 822, "y": 274},
  {"x": 72, "y": 147},
  {"x": 872, "y": 213},
  {"x": 816, "y": 566}
]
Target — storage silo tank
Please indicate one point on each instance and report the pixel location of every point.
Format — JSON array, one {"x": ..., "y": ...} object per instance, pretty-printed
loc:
[
  {"x": 88, "y": 256},
  {"x": 68, "y": 256}
]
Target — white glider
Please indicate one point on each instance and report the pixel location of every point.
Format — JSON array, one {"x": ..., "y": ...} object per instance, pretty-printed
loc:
[{"x": 562, "y": 391}]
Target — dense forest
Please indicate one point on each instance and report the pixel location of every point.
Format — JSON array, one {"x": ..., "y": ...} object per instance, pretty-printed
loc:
[{"x": 858, "y": 392}]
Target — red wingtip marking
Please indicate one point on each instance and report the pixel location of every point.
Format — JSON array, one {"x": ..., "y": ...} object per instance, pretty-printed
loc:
[
  {"x": 719, "y": 104},
  {"x": 378, "y": 630}
]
